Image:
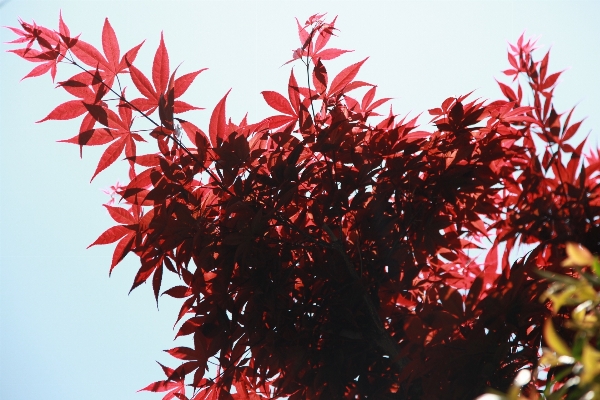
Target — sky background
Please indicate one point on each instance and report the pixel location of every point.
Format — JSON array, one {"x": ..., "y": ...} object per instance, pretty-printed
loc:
[{"x": 67, "y": 331}]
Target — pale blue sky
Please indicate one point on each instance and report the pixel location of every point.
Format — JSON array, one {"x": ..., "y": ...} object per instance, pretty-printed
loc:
[{"x": 67, "y": 331}]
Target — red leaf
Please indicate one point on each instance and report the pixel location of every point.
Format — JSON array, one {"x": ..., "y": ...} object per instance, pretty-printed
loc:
[
  {"x": 109, "y": 156},
  {"x": 279, "y": 120},
  {"x": 355, "y": 85},
  {"x": 121, "y": 250},
  {"x": 345, "y": 77},
  {"x": 320, "y": 77},
  {"x": 92, "y": 137},
  {"x": 183, "y": 353},
  {"x": 67, "y": 110},
  {"x": 302, "y": 33},
  {"x": 129, "y": 57},
  {"x": 551, "y": 80},
  {"x": 189, "y": 326},
  {"x": 216, "y": 128},
  {"x": 324, "y": 36},
  {"x": 110, "y": 45},
  {"x": 111, "y": 235},
  {"x": 143, "y": 84},
  {"x": 508, "y": 92},
  {"x": 191, "y": 131},
  {"x": 125, "y": 112},
  {"x": 293, "y": 93},
  {"x": 474, "y": 293},
  {"x": 39, "y": 70},
  {"x": 147, "y": 160},
  {"x": 368, "y": 98},
  {"x": 62, "y": 27},
  {"x": 185, "y": 307},
  {"x": 106, "y": 116},
  {"x": 145, "y": 105},
  {"x": 89, "y": 55},
  {"x": 330, "y": 54},
  {"x": 491, "y": 259},
  {"x": 278, "y": 102},
  {"x": 161, "y": 386},
  {"x": 29, "y": 54},
  {"x": 120, "y": 215},
  {"x": 156, "y": 281},
  {"x": 179, "y": 292},
  {"x": 142, "y": 180},
  {"x": 181, "y": 106},
  {"x": 571, "y": 131},
  {"x": 160, "y": 67},
  {"x": 78, "y": 89},
  {"x": 378, "y": 103},
  {"x": 144, "y": 273},
  {"x": 183, "y": 82}
]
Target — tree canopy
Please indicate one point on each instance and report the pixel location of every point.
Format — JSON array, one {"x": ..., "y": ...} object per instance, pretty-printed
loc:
[{"x": 324, "y": 255}]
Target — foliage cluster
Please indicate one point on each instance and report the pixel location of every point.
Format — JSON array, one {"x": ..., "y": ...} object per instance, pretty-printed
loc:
[
  {"x": 322, "y": 255},
  {"x": 570, "y": 368}
]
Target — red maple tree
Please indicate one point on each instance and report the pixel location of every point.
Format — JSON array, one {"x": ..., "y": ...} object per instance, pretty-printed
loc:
[{"x": 322, "y": 256}]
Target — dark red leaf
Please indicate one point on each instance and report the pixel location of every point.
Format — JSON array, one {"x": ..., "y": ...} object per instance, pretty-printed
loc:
[
  {"x": 109, "y": 156},
  {"x": 144, "y": 273},
  {"x": 320, "y": 77},
  {"x": 179, "y": 292},
  {"x": 183, "y": 353},
  {"x": 121, "y": 250},
  {"x": 111, "y": 235}
]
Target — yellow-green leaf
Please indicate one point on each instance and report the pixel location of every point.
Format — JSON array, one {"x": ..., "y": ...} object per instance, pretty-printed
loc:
[
  {"x": 590, "y": 358},
  {"x": 577, "y": 255},
  {"x": 554, "y": 341}
]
